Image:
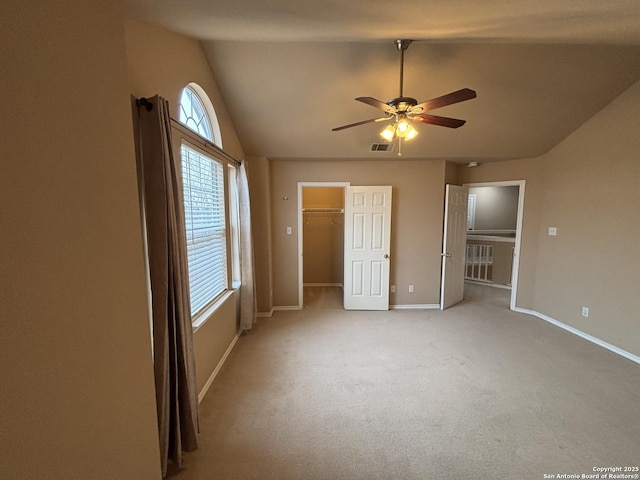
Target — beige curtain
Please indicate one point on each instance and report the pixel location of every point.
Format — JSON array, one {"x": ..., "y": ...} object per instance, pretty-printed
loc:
[
  {"x": 248, "y": 307},
  {"x": 174, "y": 364}
]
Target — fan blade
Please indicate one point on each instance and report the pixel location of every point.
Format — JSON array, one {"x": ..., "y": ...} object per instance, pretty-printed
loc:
[
  {"x": 372, "y": 120},
  {"x": 444, "y": 100},
  {"x": 436, "y": 120},
  {"x": 378, "y": 104}
]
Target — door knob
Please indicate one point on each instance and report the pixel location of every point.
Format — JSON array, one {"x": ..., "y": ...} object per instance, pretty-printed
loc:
[{"x": 386, "y": 255}]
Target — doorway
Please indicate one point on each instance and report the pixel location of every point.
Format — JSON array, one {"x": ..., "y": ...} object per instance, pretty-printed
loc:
[
  {"x": 494, "y": 232},
  {"x": 321, "y": 236}
]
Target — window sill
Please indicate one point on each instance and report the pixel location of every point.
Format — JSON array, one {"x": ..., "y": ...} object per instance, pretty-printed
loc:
[{"x": 206, "y": 314}]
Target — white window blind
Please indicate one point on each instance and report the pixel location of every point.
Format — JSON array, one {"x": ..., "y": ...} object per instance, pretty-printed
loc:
[{"x": 203, "y": 182}]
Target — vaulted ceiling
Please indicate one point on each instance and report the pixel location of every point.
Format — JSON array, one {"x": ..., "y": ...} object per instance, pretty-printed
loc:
[{"x": 289, "y": 70}]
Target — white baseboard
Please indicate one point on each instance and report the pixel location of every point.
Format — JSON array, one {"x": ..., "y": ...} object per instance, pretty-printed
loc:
[
  {"x": 425, "y": 306},
  {"x": 268, "y": 314},
  {"x": 275, "y": 309},
  {"x": 207, "y": 385},
  {"x": 580, "y": 333},
  {"x": 322, "y": 285}
]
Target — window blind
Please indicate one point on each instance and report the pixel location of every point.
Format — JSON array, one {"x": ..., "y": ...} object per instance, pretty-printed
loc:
[{"x": 203, "y": 184}]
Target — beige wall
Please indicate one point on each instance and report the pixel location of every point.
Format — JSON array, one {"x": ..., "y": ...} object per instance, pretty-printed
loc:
[
  {"x": 323, "y": 197},
  {"x": 496, "y": 207},
  {"x": 451, "y": 173},
  {"x": 259, "y": 175},
  {"x": 594, "y": 261},
  {"x": 212, "y": 339},
  {"x": 418, "y": 190},
  {"x": 162, "y": 62},
  {"x": 77, "y": 396}
]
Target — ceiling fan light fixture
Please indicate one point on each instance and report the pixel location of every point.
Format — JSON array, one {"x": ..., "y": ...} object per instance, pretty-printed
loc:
[
  {"x": 411, "y": 133},
  {"x": 389, "y": 132},
  {"x": 402, "y": 127}
]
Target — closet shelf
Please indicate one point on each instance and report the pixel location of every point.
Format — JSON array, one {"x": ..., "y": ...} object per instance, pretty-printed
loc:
[{"x": 322, "y": 210}]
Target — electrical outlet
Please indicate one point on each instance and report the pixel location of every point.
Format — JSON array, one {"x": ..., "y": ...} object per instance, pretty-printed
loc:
[
  {"x": 393, "y": 289},
  {"x": 585, "y": 311},
  {"x": 289, "y": 231},
  {"x": 553, "y": 231},
  {"x": 410, "y": 288}
]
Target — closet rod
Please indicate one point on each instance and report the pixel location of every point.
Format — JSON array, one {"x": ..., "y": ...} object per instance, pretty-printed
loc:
[{"x": 322, "y": 210}]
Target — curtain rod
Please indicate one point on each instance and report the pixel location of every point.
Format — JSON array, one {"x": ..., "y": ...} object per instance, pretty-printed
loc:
[
  {"x": 146, "y": 103},
  {"x": 143, "y": 102}
]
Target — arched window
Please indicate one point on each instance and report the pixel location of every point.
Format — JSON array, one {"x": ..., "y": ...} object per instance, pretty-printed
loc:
[
  {"x": 204, "y": 189},
  {"x": 197, "y": 113}
]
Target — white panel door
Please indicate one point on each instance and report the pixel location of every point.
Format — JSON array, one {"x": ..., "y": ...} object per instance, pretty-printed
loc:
[
  {"x": 367, "y": 236},
  {"x": 453, "y": 245}
]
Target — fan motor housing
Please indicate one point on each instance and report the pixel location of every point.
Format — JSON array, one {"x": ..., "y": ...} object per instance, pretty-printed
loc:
[{"x": 402, "y": 104}]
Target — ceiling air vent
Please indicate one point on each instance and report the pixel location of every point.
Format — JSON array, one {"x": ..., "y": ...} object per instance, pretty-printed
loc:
[{"x": 382, "y": 147}]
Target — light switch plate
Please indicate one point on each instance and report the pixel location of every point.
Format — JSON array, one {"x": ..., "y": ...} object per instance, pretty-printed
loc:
[{"x": 553, "y": 231}]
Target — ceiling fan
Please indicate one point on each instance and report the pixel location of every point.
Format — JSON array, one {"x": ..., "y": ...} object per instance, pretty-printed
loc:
[{"x": 406, "y": 110}]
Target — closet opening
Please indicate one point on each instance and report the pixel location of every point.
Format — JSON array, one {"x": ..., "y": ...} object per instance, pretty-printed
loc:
[{"x": 321, "y": 244}]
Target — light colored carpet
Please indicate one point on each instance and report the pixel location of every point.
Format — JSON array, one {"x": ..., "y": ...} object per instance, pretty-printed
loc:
[{"x": 474, "y": 392}]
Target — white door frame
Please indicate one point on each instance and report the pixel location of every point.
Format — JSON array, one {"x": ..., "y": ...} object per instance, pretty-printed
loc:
[
  {"x": 516, "y": 253},
  {"x": 302, "y": 185}
]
